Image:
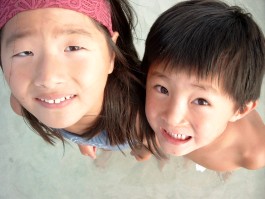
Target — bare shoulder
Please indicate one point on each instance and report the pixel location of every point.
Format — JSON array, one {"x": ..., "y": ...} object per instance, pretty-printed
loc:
[
  {"x": 257, "y": 160},
  {"x": 255, "y": 156},
  {"x": 255, "y": 118},
  {"x": 251, "y": 132}
]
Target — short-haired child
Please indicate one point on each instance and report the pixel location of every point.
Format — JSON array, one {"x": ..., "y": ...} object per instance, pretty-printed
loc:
[{"x": 205, "y": 62}]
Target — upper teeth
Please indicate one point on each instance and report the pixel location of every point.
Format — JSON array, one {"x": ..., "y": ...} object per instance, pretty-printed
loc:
[
  {"x": 57, "y": 101},
  {"x": 178, "y": 136}
]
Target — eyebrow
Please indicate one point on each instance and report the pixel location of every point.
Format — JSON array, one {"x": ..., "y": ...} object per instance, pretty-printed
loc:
[
  {"x": 69, "y": 30},
  {"x": 17, "y": 35},
  {"x": 194, "y": 84},
  {"x": 204, "y": 87},
  {"x": 158, "y": 74}
]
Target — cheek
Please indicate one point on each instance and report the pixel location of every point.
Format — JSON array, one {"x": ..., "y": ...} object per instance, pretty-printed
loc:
[
  {"x": 148, "y": 110},
  {"x": 9, "y": 76},
  {"x": 11, "y": 70},
  {"x": 6, "y": 67},
  {"x": 16, "y": 78},
  {"x": 151, "y": 110},
  {"x": 149, "y": 114},
  {"x": 221, "y": 120},
  {"x": 148, "y": 102},
  {"x": 209, "y": 128},
  {"x": 94, "y": 67},
  {"x": 91, "y": 79},
  {"x": 17, "y": 81}
]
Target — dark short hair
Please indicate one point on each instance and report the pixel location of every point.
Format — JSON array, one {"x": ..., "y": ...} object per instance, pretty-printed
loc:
[{"x": 209, "y": 38}]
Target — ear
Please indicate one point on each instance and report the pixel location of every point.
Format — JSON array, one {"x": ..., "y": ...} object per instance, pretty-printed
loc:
[
  {"x": 16, "y": 107},
  {"x": 242, "y": 113},
  {"x": 114, "y": 38}
]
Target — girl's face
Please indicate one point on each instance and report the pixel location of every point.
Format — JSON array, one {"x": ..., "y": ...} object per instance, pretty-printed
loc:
[
  {"x": 56, "y": 62},
  {"x": 186, "y": 114}
]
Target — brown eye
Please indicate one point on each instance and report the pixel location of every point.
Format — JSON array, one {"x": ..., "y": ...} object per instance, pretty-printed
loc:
[
  {"x": 24, "y": 54},
  {"x": 162, "y": 89},
  {"x": 73, "y": 48},
  {"x": 201, "y": 102}
]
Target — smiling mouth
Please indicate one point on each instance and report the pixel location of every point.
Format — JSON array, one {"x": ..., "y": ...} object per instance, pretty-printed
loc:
[
  {"x": 57, "y": 101},
  {"x": 177, "y": 136}
]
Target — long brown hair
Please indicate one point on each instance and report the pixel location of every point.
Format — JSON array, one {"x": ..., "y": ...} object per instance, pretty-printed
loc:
[{"x": 121, "y": 106}]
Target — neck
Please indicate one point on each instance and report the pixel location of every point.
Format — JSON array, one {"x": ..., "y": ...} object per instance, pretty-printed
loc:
[
  {"x": 82, "y": 125},
  {"x": 220, "y": 154},
  {"x": 240, "y": 145}
]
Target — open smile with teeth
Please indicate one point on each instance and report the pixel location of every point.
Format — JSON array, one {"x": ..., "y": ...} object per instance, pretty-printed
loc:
[
  {"x": 178, "y": 136},
  {"x": 56, "y": 101}
]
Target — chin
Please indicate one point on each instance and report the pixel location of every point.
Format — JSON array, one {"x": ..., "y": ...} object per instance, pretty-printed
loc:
[
  {"x": 178, "y": 153},
  {"x": 174, "y": 152},
  {"x": 57, "y": 124}
]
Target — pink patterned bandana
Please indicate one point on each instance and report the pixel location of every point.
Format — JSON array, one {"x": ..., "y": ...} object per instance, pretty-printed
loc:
[{"x": 96, "y": 9}]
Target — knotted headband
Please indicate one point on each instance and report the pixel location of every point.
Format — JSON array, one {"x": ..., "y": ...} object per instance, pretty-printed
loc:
[{"x": 98, "y": 10}]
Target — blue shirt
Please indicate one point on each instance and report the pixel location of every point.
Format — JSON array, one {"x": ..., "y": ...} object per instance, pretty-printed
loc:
[{"x": 100, "y": 141}]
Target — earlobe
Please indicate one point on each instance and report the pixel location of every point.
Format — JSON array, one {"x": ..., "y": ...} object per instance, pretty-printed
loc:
[{"x": 242, "y": 113}]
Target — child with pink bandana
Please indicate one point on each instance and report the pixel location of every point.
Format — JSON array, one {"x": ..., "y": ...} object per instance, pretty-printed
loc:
[{"x": 71, "y": 68}]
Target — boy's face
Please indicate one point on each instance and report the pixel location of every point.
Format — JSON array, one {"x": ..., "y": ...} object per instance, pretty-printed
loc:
[
  {"x": 186, "y": 114},
  {"x": 56, "y": 62}
]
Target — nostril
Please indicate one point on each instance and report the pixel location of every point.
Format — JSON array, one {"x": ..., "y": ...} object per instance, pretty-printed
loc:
[{"x": 48, "y": 83}]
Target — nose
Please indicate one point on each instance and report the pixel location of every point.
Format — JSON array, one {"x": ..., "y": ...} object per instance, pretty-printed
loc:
[
  {"x": 175, "y": 113},
  {"x": 50, "y": 71}
]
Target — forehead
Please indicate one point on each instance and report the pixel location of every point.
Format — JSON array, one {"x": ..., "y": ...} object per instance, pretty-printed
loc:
[
  {"x": 44, "y": 20},
  {"x": 174, "y": 69},
  {"x": 173, "y": 74}
]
